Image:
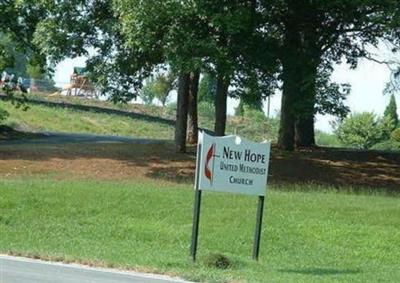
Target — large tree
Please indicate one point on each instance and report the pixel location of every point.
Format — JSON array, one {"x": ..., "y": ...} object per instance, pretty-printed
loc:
[
  {"x": 315, "y": 33},
  {"x": 219, "y": 37}
]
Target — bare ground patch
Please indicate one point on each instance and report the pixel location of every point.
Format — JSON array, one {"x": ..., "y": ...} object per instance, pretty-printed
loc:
[{"x": 331, "y": 167}]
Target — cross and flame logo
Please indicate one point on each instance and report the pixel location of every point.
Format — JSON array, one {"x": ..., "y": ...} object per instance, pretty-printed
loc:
[{"x": 209, "y": 173}]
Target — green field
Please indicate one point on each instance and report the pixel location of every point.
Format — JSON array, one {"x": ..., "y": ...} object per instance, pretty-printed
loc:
[{"x": 307, "y": 236}]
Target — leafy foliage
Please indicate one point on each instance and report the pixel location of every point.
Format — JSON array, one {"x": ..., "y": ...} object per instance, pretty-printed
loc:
[
  {"x": 163, "y": 85},
  {"x": 391, "y": 111},
  {"x": 146, "y": 93},
  {"x": 3, "y": 115},
  {"x": 331, "y": 97},
  {"x": 395, "y": 135},
  {"x": 387, "y": 145},
  {"x": 317, "y": 34},
  {"x": 207, "y": 88},
  {"x": 363, "y": 130}
]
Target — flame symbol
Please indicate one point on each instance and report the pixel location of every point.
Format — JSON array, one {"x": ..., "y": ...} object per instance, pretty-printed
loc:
[{"x": 210, "y": 155}]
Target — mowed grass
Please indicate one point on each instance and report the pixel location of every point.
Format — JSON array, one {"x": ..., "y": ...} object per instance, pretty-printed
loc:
[
  {"x": 44, "y": 118},
  {"x": 307, "y": 236}
]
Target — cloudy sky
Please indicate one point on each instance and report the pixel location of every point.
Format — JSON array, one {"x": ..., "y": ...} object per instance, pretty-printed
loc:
[{"x": 367, "y": 81}]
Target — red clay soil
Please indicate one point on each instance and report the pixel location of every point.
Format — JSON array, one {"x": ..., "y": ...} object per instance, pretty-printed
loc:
[{"x": 332, "y": 167}]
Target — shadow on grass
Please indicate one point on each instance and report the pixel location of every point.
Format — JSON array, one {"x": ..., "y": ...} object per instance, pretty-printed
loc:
[{"x": 321, "y": 271}]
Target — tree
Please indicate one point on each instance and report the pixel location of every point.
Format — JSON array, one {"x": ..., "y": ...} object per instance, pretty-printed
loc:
[
  {"x": 218, "y": 37},
  {"x": 158, "y": 87},
  {"x": 329, "y": 99},
  {"x": 363, "y": 130},
  {"x": 12, "y": 60},
  {"x": 193, "y": 127},
  {"x": 391, "y": 112},
  {"x": 182, "y": 112},
  {"x": 147, "y": 93},
  {"x": 321, "y": 32},
  {"x": 252, "y": 88},
  {"x": 207, "y": 88},
  {"x": 163, "y": 85},
  {"x": 18, "y": 21},
  {"x": 124, "y": 57}
]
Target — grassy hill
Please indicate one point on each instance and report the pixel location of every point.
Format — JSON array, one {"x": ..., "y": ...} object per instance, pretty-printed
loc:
[
  {"x": 74, "y": 114},
  {"x": 59, "y": 118}
]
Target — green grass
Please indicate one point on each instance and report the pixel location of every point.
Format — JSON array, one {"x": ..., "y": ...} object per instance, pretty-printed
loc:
[
  {"x": 307, "y": 236},
  {"x": 43, "y": 118},
  {"x": 326, "y": 139},
  {"x": 254, "y": 126}
]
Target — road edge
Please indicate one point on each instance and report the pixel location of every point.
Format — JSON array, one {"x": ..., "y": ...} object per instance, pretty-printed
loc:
[{"x": 94, "y": 268}]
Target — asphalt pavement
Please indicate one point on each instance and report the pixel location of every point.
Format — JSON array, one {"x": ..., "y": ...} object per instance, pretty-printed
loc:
[
  {"x": 23, "y": 270},
  {"x": 66, "y": 138}
]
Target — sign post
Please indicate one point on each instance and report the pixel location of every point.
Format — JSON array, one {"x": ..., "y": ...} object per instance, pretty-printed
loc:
[
  {"x": 257, "y": 234},
  {"x": 230, "y": 164},
  {"x": 196, "y": 221}
]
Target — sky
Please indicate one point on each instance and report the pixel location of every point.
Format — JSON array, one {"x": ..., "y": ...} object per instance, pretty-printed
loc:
[{"x": 367, "y": 84}]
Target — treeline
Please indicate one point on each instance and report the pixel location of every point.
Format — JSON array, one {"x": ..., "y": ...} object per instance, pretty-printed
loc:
[
  {"x": 366, "y": 130},
  {"x": 251, "y": 47}
]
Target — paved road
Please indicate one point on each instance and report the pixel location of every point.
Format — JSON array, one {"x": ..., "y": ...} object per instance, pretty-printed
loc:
[
  {"x": 64, "y": 138},
  {"x": 22, "y": 270}
]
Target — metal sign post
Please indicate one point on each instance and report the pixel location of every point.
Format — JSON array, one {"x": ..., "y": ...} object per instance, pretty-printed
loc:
[
  {"x": 257, "y": 235},
  {"x": 196, "y": 221},
  {"x": 230, "y": 164},
  {"x": 197, "y": 205}
]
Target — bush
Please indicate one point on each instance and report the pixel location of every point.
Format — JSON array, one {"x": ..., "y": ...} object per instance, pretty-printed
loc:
[
  {"x": 3, "y": 115},
  {"x": 219, "y": 261},
  {"x": 387, "y": 145},
  {"x": 363, "y": 130},
  {"x": 396, "y": 135}
]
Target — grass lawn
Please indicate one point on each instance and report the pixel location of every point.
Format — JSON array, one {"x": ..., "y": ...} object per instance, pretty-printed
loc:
[
  {"x": 146, "y": 225},
  {"x": 43, "y": 118},
  {"x": 59, "y": 119}
]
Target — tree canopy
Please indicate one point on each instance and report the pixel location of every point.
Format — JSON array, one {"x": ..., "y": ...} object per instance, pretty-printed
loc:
[{"x": 250, "y": 47}]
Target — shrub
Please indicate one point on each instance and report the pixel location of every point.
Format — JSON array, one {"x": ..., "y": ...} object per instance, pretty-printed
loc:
[
  {"x": 363, "y": 130},
  {"x": 3, "y": 115},
  {"x": 387, "y": 145},
  {"x": 217, "y": 261},
  {"x": 396, "y": 135}
]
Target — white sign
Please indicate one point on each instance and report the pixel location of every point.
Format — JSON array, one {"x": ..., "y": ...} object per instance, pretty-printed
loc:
[{"x": 232, "y": 164}]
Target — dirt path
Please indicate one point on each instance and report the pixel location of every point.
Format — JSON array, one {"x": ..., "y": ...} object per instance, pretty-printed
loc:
[{"x": 68, "y": 138}]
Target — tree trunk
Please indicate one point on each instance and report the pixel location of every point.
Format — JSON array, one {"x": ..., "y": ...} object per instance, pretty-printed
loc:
[
  {"x": 193, "y": 127},
  {"x": 220, "y": 105},
  {"x": 305, "y": 133},
  {"x": 286, "y": 126},
  {"x": 182, "y": 112},
  {"x": 291, "y": 68},
  {"x": 304, "y": 125}
]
